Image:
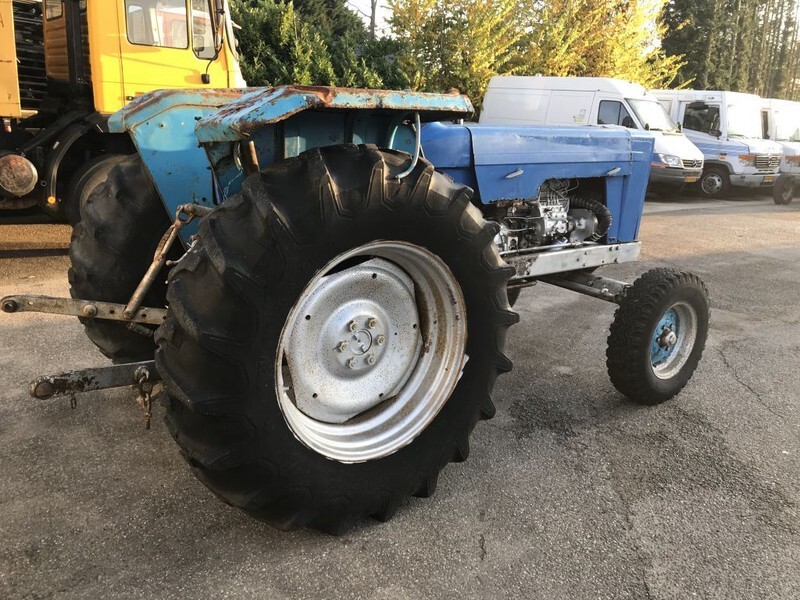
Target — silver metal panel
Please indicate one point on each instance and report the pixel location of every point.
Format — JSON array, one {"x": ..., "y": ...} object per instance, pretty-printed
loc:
[{"x": 530, "y": 263}]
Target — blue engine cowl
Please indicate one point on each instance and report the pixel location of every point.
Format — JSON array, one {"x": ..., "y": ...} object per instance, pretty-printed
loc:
[{"x": 512, "y": 162}]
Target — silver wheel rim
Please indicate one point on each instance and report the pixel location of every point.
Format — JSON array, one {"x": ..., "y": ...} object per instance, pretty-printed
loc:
[
  {"x": 371, "y": 351},
  {"x": 712, "y": 183},
  {"x": 681, "y": 340}
]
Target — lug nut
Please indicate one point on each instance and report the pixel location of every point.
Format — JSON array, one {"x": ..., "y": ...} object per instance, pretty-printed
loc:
[
  {"x": 342, "y": 346},
  {"x": 90, "y": 310},
  {"x": 351, "y": 363},
  {"x": 381, "y": 339},
  {"x": 352, "y": 326},
  {"x": 371, "y": 359},
  {"x": 372, "y": 323}
]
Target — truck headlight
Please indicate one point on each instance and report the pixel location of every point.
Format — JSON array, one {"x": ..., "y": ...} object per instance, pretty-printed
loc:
[
  {"x": 670, "y": 160},
  {"x": 792, "y": 161},
  {"x": 747, "y": 160}
]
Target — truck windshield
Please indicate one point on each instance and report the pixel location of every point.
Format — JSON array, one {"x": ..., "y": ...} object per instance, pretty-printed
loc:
[
  {"x": 787, "y": 125},
  {"x": 652, "y": 115},
  {"x": 744, "y": 120}
]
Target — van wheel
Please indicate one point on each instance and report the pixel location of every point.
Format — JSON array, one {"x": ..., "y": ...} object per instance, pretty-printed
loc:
[
  {"x": 715, "y": 182},
  {"x": 783, "y": 190}
]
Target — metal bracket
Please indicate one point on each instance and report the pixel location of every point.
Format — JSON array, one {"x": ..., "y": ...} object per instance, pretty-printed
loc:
[
  {"x": 80, "y": 308},
  {"x": 540, "y": 262},
  {"x": 590, "y": 284},
  {"x": 143, "y": 375},
  {"x": 417, "y": 149},
  {"x": 89, "y": 380},
  {"x": 190, "y": 211}
]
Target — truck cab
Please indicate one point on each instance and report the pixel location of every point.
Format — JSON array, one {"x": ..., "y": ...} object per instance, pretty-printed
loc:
[
  {"x": 727, "y": 127},
  {"x": 781, "y": 123},
  {"x": 73, "y": 63},
  {"x": 597, "y": 101}
]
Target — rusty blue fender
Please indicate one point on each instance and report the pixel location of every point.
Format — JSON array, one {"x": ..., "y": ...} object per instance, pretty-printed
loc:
[{"x": 189, "y": 139}]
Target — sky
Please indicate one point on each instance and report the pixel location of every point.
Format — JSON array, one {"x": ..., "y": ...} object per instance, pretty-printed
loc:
[{"x": 362, "y": 8}]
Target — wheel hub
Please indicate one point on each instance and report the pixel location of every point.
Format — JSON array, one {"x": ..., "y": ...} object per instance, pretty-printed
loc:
[
  {"x": 712, "y": 183},
  {"x": 370, "y": 353},
  {"x": 668, "y": 338},
  {"x": 338, "y": 356},
  {"x": 673, "y": 340}
]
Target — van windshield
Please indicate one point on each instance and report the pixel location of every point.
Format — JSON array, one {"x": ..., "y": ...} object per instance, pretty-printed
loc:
[
  {"x": 744, "y": 120},
  {"x": 652, "y": 115},
  {"x": 787, "y": 125}
]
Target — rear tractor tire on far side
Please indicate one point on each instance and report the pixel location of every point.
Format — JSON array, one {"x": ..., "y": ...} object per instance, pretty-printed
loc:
[
  {"x": 334, "y": 336},
  {"x": 122, "y": 219}
]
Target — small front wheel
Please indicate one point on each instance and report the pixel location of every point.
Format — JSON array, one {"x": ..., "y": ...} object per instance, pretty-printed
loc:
[{"x": 658, "y": 335}]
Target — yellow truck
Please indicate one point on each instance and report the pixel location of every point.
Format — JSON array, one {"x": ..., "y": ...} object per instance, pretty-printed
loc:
[{"x": 67, "y": 65}]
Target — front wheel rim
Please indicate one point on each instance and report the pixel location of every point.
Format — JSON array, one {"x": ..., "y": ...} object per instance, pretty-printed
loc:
[
  {"x": 673, "y": 340},
  {"x": 712, "y": 184},
  {"x": 371, "y": 351}
]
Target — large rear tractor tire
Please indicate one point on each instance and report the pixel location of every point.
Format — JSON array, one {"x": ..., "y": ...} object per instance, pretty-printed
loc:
[
  {"x": 658, "y": 335},
  {"x": 122, "y": 221},
  {"x": 315, "y": 352},
  {"x": 91, "y": 174}
]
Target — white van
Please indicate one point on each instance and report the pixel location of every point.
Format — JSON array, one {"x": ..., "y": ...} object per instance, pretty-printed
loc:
[
  {"x": 781, "y": 123},
  {"x": 726, "y": 126},
  {"x": 594, "y": 101}
]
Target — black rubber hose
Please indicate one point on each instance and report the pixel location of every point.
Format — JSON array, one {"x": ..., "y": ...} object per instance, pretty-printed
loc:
[{"x": 604, "y": 217}]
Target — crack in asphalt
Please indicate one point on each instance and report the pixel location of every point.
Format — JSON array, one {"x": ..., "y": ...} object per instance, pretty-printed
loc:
[{"x": 747, "y": 386}]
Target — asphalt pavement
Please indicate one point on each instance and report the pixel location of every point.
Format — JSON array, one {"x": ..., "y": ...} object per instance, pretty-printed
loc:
[{"x": 569, "y": 492}]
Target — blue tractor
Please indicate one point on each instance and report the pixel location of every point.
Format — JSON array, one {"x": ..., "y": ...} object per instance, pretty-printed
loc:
[{"x": 327, "y": 310}]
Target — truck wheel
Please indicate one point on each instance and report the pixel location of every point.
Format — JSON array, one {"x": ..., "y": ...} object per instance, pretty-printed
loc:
[
  {"x": 658, "y": 335},
  {"x": 84, "y": 180},
  {"x": 122, "y": 221},
  {"x": 715, "y": 182},
  {"x": 315, "y": 354},
  {"x": 783, "y": 190}
]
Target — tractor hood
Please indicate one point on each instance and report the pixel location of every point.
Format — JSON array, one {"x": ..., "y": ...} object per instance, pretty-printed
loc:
[
  {"x": 227, "y": 115},
  {"x": 266, "y": 106}
]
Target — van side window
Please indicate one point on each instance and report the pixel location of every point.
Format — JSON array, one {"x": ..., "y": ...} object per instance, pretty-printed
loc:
[
  {"x": 157, "y": 23},
  {"x": 701, "y": 117},
  {"x": 612, "y": 112}
]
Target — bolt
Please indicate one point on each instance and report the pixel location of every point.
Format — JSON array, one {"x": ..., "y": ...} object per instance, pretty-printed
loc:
[
  {"x": 353, "y": 326},
  {"x": 10, "y": 306},
  {"x": 372, "y": 323},
  {"x": 43, "y": 390},
  {"x": 342, "y": 346},
  {"x": 381, "y": 339},
  {"x": 371, "y": 359},
  {"x": 90, "y": 310},
  {"x": 351, "y": 363}
]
